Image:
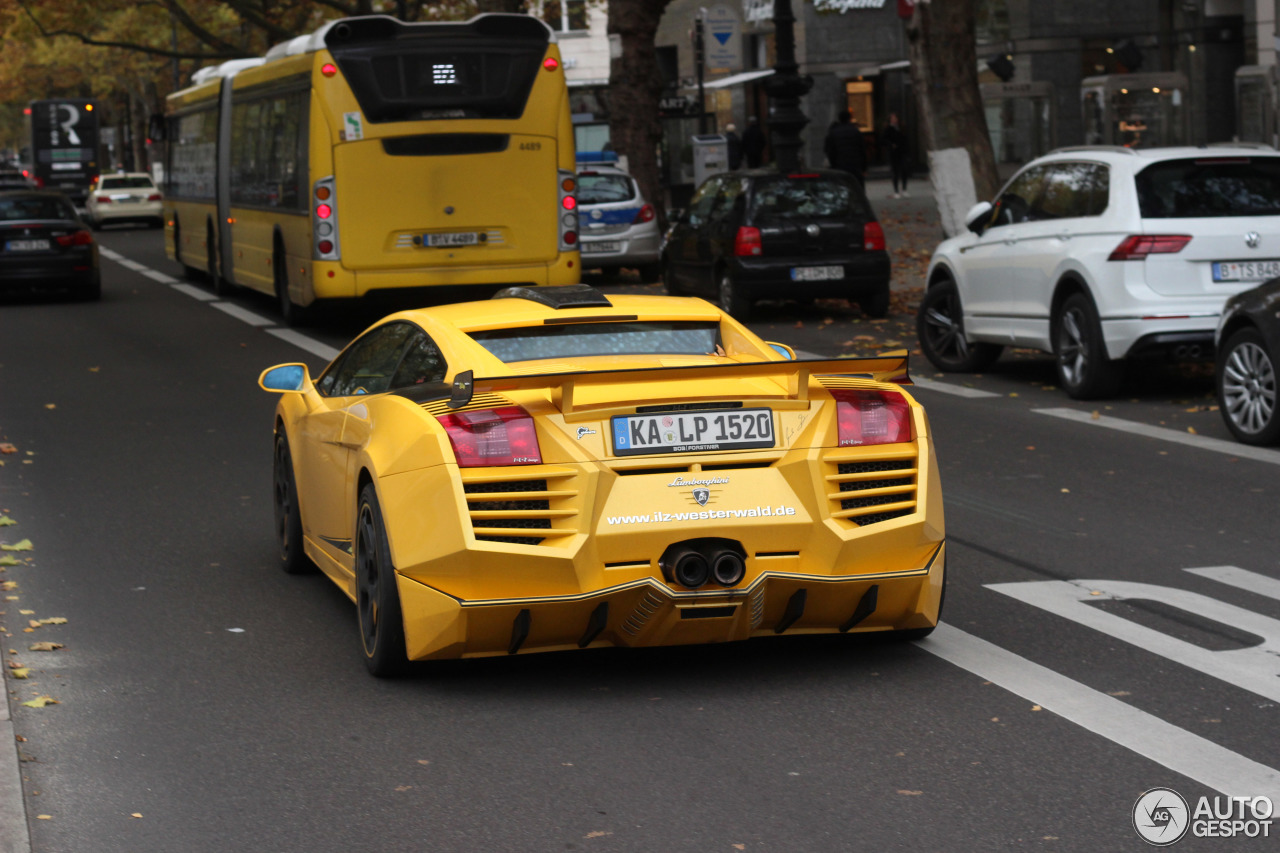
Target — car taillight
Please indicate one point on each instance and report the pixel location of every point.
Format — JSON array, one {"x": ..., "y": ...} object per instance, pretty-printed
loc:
[
  {"x": 873, "y": 237},
  {"x": 871, "y": 417},
  {"x": 154, "y": 197},
  {"x": 103, "y": 199},
  {"x": 747, "y": 242},
  {"x": 644, "y": 214},
  {"x": 75, "y": 238},
  {"x": 1136, "y": 247},
  {"x": 488, "y": 437}
]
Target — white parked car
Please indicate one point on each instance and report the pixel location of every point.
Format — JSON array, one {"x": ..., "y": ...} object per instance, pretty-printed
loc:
[
  {"x": 124, "y": 197},
  {"x": 1098, "y": 254},
  {"x": 617, "y": 227}
]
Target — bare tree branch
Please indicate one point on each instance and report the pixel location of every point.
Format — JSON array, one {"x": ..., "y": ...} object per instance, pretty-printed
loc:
[{"x": 229, "y": 52}]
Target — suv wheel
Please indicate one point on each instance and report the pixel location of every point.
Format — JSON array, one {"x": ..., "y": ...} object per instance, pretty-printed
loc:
[
  {"x": 940, "y": 327},
  {"x": 1246, "y": 380},
  {"x": 1084, "y": 370},
  {"x": 733, "y": 301}
]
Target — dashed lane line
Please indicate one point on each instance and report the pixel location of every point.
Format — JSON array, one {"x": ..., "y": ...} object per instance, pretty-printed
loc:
[
  {"x": 1147, "y": 735},
  {"x": 953, "y": 390},
  {"x": 194, "y": 292},
  {"x": 244, "y": 315},
  {"x": 1217, "y": 445}
]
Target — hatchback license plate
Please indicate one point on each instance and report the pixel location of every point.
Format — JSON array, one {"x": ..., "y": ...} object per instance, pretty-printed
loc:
[
  {"x": 816, "y": 273},
  {"x": 1245, "y": 270},
  {"x": 687, "y": 432},
  {"x": 27, "y": 246},
  {"x": 451, "y": 238},
  {"x": 601, "y": 247}
]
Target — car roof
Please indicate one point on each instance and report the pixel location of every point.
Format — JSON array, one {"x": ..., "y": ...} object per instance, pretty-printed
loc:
[{"x": 1140, "y": 158}]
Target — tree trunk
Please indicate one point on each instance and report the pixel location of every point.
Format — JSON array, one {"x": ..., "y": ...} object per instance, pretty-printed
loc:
[
  {"x": 944, "y": 74},
  {"x": 635, "y": 87}
]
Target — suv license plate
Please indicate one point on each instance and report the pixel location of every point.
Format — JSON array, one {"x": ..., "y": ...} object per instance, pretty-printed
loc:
[
  {"x": 600, "y": 247},
  {"x": 816, "y": 273},
  {"x": 1245, "y": 270},
  {"x": 687, "y": 432},
  {"x": 452, "y": 238}
]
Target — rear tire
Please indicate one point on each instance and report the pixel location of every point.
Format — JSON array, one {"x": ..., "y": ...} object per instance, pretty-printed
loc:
[
  {"x": 733, "y": 301},
  {"x": 377, "y": 599},
  {"x": 1084, "y": 371},
  {"x": 288, "y": 515},
  {"x": 876, "y": 305},
  {"x": 940, "y": 328},
  {"x": 219, "y": 284},
  {"x": 292, "y": 313},
  {"x": 1246, "y": 386}
]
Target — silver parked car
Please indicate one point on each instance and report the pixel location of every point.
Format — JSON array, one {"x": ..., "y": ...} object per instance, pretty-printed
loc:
[{"x": 617, "y": 227}]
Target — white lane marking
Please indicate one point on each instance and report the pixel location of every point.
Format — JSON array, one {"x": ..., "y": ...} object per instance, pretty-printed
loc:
[
  {"x": 1241, "y": 579},
  {"x": 1231, "y": 448},
  {"x": 244, "y": 314},
  {"x": 954, "y": 390},
  {"x": 158, "y": 276},
  {"x": 193, "y": 291},
  {"x": 108, "y": 253},
  {"x": 1254, "y": 668},
  {"x": 311, "y": 345},
  {"x": 133, "y": 265},
  {"x": 1136, "y": 730}
]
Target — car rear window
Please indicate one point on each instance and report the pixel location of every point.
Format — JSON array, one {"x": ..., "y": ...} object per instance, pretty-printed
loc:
[
  {"x": 534, "y": 343},
  {"x": 807, "y": 198},
  {"x": 138, "y": 183},
  {"x": 1209, "y": 187},
  {"x": 35, "y": 207},
  {"x": 601, "y": 189}
]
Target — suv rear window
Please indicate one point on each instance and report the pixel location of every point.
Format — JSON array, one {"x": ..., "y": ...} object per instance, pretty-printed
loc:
[
  {"x": 602, "y": 189},
  {"x": 1210, "y": 186},
  {"x": 807, "y": 198},
  {"x": 595, "y": 339}
]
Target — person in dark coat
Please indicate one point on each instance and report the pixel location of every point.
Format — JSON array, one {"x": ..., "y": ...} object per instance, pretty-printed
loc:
[
  {"x": 735, "y": 146},
  {"x": 753, "y": 143},
  {"x": 895, "y": 142},
  {"x": 844, "y": 146}
]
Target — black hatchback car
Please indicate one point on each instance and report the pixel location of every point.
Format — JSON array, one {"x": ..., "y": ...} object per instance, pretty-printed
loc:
[
  {"x": 44, "y": 243},
  {"x": 762, "y": 234},
  {"x": 1248, "y": 353}
]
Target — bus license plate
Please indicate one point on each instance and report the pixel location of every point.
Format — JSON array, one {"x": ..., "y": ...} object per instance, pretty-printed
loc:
[
  {"x": 688, "y": 432},
  {"x": 27, "y": 246},
  {"x": 600, "y": 247},
  {"x": 816, "y": 273},
  {"x": 1245, "y": 270},
  {"x": 452, "y": 238}
]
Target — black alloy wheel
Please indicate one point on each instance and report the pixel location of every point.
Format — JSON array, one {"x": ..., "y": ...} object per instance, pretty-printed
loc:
[
  {"x": 1246, "y": 385},
  {"x": 1084, "y": 371},
  {"x": 940, "y": 328},
  {"x": 377, "y": 599},
  {"x": 288, "y": 515}
]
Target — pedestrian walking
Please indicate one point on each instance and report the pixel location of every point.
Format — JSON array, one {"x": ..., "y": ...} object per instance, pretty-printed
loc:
[
  {"x": 735, "y": 146},
  {"x": 753, "y": 143},
  {"x": 895, "y": 142},
  {"x": 844, "y": 146}
]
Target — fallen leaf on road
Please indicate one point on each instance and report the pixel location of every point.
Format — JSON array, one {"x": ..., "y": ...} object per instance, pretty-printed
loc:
[
  {"x": 6, "y": 447},
  {"x": 6, "y": 521},
  {"x": 54, "y": 620},
  {"x": 24, "y": 545},
  {"x": 45, "y": 647},
  {"x": 9, "y": 560},
  {"x": 1192, "y": 430},
  {"x": 134, "y": 814},
  {"x": 27, "y": 612},
  {"x": 1120, "y": 693},
  {"x": 910, "y": 793},
  {"x": 44, "y": 816},
  {"x": 597, "y": 834},
  {"x": 1036, "y": 708},
  {"x": 51, "y": 405},
  {"x": 40, "y": 702},
  {"x": 20, "y": 672}
]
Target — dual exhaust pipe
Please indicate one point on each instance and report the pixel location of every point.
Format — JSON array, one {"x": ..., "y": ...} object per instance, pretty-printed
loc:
[{"x": 697, "y": 562}]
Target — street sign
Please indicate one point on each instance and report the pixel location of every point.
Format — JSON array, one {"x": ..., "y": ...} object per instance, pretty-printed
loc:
[{"x": 723, "y": 33}]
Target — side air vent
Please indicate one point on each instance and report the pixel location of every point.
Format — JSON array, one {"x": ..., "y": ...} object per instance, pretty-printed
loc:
[{"x": 874, "y": 490}]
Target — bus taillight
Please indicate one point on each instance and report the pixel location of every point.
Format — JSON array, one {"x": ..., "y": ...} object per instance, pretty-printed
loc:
[
  {"x": 568, "y": 219},
  {"x": 324, "y": 221}
]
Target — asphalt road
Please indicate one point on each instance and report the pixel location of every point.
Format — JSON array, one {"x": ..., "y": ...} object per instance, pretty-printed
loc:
[{"x": 208, "y": 702}]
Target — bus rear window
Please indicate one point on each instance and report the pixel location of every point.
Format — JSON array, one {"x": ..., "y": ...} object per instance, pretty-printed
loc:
[
  {"x": 596, "y": 339},
  {"x": 480, "y": 70}
]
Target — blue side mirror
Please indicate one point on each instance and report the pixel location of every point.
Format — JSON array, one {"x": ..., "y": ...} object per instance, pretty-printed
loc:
[
  {"x": 284, "y": 377},
  {"x": 783, "y": 350}
]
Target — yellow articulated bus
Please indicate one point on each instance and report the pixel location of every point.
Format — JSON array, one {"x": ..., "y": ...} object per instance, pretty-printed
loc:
[{"x": 373, "y": 155}]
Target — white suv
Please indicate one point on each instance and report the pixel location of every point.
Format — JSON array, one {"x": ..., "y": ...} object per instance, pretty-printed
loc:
[{"x": 1097, "y": 254}]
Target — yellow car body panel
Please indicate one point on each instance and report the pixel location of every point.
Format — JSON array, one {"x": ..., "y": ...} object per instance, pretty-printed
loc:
[{"x": 567, "y": 553}]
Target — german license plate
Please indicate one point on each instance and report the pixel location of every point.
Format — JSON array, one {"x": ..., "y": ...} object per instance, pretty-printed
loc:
[
  {"x": 1245, "y": 270},
  {"x": 688, "y": 432},
  {"x": 125, "y": 199},
  {"x": 26, "y": 246},
  {"x": 601, "y": 247},
  {"x": 816, "y": 273},
  {"x": 450, "y": 238}
]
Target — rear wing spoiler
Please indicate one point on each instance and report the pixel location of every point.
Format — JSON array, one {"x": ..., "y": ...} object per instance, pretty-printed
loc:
[{"x": 792, "y": 377}]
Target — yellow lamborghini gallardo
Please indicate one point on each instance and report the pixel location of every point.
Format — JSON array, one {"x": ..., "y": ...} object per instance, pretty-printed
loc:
[{"x": 556, "y": 469}]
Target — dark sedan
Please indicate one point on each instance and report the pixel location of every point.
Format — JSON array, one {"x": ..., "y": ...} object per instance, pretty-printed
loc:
[
  {"x": 44, "y": 244},
  {"x": 760, "y": 234},
  {"x": 1248, "y": 346}
]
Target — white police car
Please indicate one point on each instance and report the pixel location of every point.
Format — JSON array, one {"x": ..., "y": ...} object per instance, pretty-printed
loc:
[{"x": 617, "y": 227}]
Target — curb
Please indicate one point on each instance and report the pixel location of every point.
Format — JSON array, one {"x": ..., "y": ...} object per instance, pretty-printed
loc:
[{"x": 14, "y": 837}]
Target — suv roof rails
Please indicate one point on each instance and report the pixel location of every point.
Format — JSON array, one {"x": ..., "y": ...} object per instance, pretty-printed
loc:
[
  {"x": 1118, "y": 149},
  {"x": 562, "y": 296}
]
